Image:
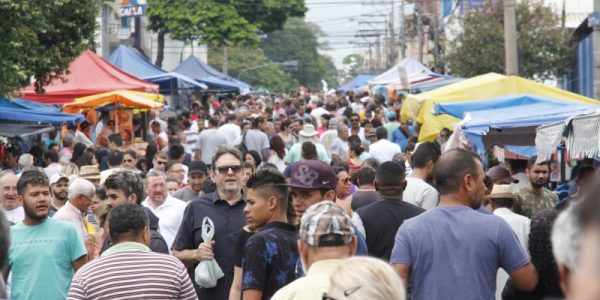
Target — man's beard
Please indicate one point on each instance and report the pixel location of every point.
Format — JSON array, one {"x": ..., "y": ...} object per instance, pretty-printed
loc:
[
  {"x": 61, "y": 198},
  {"x": 537, "y": 185},
  {"x": 31, "y": 213}
]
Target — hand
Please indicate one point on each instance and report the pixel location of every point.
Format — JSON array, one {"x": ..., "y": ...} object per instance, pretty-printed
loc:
[{"x": 205, "y": 251}]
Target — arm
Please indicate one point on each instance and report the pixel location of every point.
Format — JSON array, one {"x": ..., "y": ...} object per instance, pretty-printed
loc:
[
  {"x": 197, "y": 154},
  {"x": 190, "y": 257},
  {"x": 404, "y": 272},
  {"x": 235, "y": 293},
  {"x": 79, "y": 263},
  {"x": 252, "y": 295},
  {"x": 265, "y": 154},
  {"x": 525, "y": 278}
]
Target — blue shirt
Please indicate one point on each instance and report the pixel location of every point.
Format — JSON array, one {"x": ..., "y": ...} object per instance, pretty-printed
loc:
[
  {"x": 454, "y": 253},
  {"x": 270, "y": 258},
  {"x": 40, "y": 258},
  {"x": 228, "y": 221}
]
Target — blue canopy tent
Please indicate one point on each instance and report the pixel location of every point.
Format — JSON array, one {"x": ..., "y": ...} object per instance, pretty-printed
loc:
[
  {"x": 193, "y": 67},
  {"x": 133, "y": 62},
  {"x": 358, "y": 82},
  {"x": 30, "y": 116},
  {"x": 510, "y": 120},
  {"x": 26, "y": 104}
]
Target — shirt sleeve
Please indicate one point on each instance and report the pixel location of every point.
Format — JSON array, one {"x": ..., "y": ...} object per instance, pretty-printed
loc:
[
  {"x": 76, "y": 292},
  {"x": 255, "y": 264},
  {"x": 186, "y": 290},
  {"x": 512, "y": 255},
  {"x": 76, "y": 247},
  {"x": 430, "y": 199},
  {"x": 185, "y": 239},
  {"x": 401, "y": 252}
]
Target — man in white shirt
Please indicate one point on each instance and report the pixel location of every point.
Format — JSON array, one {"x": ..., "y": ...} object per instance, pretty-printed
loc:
[
  {"x": 383, "y": 150},
  {"x": 502, "y": 200},
  {"x": 418, "y": 191},
  {"x": 340, "y": 146},
  {"x": 8, "y": 196},
  {"x": 318, "y": 112},
  {"x": 231, "y": 130},
  {"x": 208, "y": 142},
  {"x": 81, "y": 193},
  {"x": 169, "y": 210}
]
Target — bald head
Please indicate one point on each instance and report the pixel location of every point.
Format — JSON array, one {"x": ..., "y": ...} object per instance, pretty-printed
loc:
[{"x": 451, "y": 169}]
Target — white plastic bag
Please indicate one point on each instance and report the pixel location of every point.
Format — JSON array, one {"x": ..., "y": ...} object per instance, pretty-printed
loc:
[{"x": 208, "y": 272}]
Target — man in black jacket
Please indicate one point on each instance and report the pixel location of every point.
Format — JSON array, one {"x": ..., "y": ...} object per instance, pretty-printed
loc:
[{"x": 126, "y": 186}]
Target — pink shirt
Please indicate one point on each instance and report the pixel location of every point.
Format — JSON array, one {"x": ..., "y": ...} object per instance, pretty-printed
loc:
[{"x": 70, "y": 213}]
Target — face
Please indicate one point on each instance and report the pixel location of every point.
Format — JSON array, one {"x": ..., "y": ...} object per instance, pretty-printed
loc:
[
  {"x": 177, "y": 172},
  {"x": 250, "y": 159},
  {"x": 11, "y": 160},
  {"x": 116, "y": 197},
  {"x": 128, "y": 162},
  {"x": 256, "y": 210},
  {"x": 156, "y": 189},
  {"x": 324, "y": 123},
  {"x": 247, "y": 174},
  {"x": 96, "y": 204},
  {"x": 61, "y": 189},
  {"x": 343, "y": 133},
  {"x": 297, "y": 127},
  {"x": 8, "y": 192},
  {"x": 343, "y": 185},
  {"x": 155, "y": 128},
  {"x": 195, "y": 181},
  {"x": 172, "y": 187},
  {"x": 159, "y": 163},
  {"x": 36, "y": 201},
  {"x": 83, "y": 203},
  {"x": 476, "y": 187},
  {"x": 302, "y": 199},
  {"x": 355, "y": 122},
  {"x": 538, "y": 175},
  {"x": 227, "y": 174}
]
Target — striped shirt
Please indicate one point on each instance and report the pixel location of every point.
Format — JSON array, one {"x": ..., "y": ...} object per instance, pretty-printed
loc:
[{"x": 132, "y": 273}]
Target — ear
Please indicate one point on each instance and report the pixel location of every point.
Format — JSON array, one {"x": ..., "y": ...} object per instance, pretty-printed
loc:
[
  {"x": 272, "y": 203},
  {"x": 146, "y": 235},
  {"x": 353, "y": 246},
  {"x": 330, "y": 195},
  {"x": 303, "y": 253},
  {"x": 564, "y": 274},
  {"x": 132, "y": 198},
  {"x": 402, "y": 184}
]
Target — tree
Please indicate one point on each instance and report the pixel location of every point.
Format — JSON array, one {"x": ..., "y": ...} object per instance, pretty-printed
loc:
[
  {"x": 270, "y": 77},
  {"x": 40, "y": 38},
  {"x": 297, "y": 41},
  {"x": 354, "y": 64},
  {"x": 543, "y": 47}
]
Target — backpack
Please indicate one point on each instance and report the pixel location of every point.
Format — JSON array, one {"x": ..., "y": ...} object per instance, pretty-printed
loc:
[{"x": 242, "y": 146}]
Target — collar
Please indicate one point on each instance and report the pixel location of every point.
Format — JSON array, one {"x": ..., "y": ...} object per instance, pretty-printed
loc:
[
  {"x": 72, "y": 207},
  {"x": 279, "y": 225},
  {"x": 326, "y": 266},
  {"x": 215, "y": 198},
  {"x": 125, "y": 246},
  {"x": 165, "y": 203}
]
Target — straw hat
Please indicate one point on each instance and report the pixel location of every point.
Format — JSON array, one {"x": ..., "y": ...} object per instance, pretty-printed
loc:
[
  {"x": 501, "y": 191},
  {"x": 89, "y": 172},
  {"x": 308, "y": 130}
]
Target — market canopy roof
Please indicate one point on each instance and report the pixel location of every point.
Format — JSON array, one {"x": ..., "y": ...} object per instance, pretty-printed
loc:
[
  {"x": 130, "y": 60},
  {"x": 26, "y": 104},
  {"x": 12, "y": 129},
  {"x": 490, "y": 122},
  {"x": 121, "y": 98},
  {"x": 420, "y": 107},
  {"x": 194, "y": 68},
  {"x": 409, "y": 70},
  {"x": 579, "y": 133},
  {"x": 89, "y": 75},
  {"x": 356, "y": 83},
  {"x": 26, "y": 115}
]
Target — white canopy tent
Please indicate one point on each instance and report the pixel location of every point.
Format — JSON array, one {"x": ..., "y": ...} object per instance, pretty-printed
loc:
[
  {"x": 579, "y": 133},
  {"x": 408, "y": 71}
]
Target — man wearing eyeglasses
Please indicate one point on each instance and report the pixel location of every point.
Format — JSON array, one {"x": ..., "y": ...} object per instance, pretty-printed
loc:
[
  {"x": 225, "y": 207},
  {"x": 196, "y": 176}
]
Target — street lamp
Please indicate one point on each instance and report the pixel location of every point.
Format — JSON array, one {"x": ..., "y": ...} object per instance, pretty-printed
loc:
[{"x": 287, "y": 64}]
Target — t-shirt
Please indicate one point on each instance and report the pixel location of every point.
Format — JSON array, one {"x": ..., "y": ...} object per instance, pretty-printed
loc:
[
  {"x": 420, "y": 193},
  {"x": 363, "y": 198},
  {"x": 327, "y": 139},
  {"x": 240, "y": 246},
  {"x": 270, "y": 258},
  {"x": 185, "y": 194},
  {"x": 391, "y": 127},
  {"x": 15, "y": 215},
  {"x": 257, "y": 140},
  {"x": 231, "y": 132},
  {"x": 528, "y": 203},
  {"x": 381, "y": 221},
  {"x": 191, "y": 140},
  {"x": 384, "y": 150},
  {"x": 295, "y": 153},
  {"x": 208, "y": 142},
  {"x": 339, "y": 148},
  {"x": 40, "y": 258},
  {"x": 454, "y": 253}
]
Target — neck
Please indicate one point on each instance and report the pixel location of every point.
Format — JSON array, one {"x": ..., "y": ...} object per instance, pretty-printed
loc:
[
  {"x": 76, "y": 206},
  {"x": 535, "y": 188},
  {"x": 326, "y": 253},
  {"x": 391, "y": 193},
  {"x": 278, "y": 217},
  {"x": 230, "y": 197},
  {"x": 32, "y": 222},
  {"x": 453, "y": 200},
  {"x": 57, "y": 203},
  {"x": 366, "y": 187},
  {"x": 419, "y": 173},
  {"x": 156, "y": 203}
]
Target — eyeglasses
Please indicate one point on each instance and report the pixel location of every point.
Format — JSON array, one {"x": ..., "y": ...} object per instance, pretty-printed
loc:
[
  {"x": 225, "y": 169},
  {"x": 354, "y": 120},
  {"x": 345, "y": 180},
  {"x": 158, "y": 162},
  {"x": 128, "y": 160},
  {"x": 347, "y": 293}
]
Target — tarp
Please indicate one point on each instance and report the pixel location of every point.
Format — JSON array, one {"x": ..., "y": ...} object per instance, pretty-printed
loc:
[
  {"x": 133, "y": 62},
  {"x": 356, "y": 83},
  {"x": 579, "y": 133},
  {"x": 26, "y": 104},
  {"x": 414, "y": 70},
  {"x": 89, "y": 75},
  {"x": 25, "y": 115},
  {"x": 122, "y": 98},
  {"x": 420, "y": 107},
  {"x": 194, "y": 68},
  {"x": 524, "y": 112},
  {"x": 11, "y": 129}
]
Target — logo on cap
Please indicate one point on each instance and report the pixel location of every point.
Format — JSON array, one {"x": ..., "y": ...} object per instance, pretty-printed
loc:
[{"x": 306, "y": 175}]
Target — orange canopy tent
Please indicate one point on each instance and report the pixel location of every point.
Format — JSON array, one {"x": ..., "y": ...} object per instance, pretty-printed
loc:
[{"x": 121, "y": 99}]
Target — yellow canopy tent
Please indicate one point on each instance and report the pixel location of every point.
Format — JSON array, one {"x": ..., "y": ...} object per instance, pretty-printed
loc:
[
  {"x": 419, "y": 107},
  {"x": 120, "y": 98}
]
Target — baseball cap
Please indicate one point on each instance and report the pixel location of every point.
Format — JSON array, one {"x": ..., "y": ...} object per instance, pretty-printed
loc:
[
  {"x": 391, "y": 115},
  {"x": 312, "y": 174},
  {"x": 501, "y": 174},
  {"x": 325, "y": 224},
  {"x": 56, "y": 177},
  {"x": 197, "y": 166}
]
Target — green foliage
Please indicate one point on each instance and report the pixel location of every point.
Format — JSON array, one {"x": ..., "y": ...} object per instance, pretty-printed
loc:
[
  {"x": 270, "y": 77},
  {"x": 297, "y": 41},
  {"x": 543, "y": 47},
  {"x": 355, "y": 63},
  {"x": 40, "y": 38},
  {"x": 224, "y": 22}
]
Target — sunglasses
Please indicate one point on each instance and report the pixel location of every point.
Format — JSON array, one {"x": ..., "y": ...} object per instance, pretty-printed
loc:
[
  {"x": 160, "y": 162},
  {"x": 225, "y": 169},
  {"x": 354, "y": 120},
  {"x": 128, "y": 160},
  {"x": 345, "y": 180}
]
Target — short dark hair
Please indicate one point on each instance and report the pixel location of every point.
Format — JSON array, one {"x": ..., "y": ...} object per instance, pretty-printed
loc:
[
  {"x": 127, "y": 182},
  {"x": 309, "y": 150},
  {"x": 371, "y": 162},
  {"x": 31, "y": 177},
  {"x": 270, "y": 183},
  {"x": 186, "y": 123},
  {"x": 116, "y": 138},
  {"x": 257, "y": 122},
  {"x": 231, "y": 117},
  {"x": 366, "y": 175},
  {"x": 176, "y": 151},
  {"x": 115, "y": 158},
  {"x": 126, "y": 219},
  {"x": 584, "y": 171},
  {"x": 427, "y": 151},
  {"x": 101, "y": 193},
  {"x": 532, "y": 162},
  {"x": 381, "y": 133},
  {"x": 451, "y": 169},
  {"x": 170, "y": 164},
  {"x": 51, "y": 156},
  {"x": 390, "y": 173},
  {"x": 213, "y": 122}
]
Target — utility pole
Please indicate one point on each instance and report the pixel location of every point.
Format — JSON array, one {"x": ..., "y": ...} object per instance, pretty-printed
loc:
[
  {"x": 104, "y": 38},
  {"x": 419, "y": 33},
  {"x": 511, "y": 60},
  {"x": 596, "y": 41},
  {"x": 392, "y": 42},
  {"x": 402, "y": 52},
  {"x": 436, "y": 36},
  {"x": 225, "y": 60}
]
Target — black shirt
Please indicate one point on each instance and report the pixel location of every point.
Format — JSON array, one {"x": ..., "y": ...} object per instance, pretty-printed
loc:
[
  {"x": 228, "y": 221},
  {"x": 381, "y": 221},
  {"x": 270, "y": 258}
]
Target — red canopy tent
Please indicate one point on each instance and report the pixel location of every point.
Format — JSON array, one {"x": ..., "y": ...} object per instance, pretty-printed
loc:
[{"x": 89, "y": 75}]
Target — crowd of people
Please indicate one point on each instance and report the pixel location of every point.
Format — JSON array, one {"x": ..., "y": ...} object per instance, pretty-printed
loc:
[{"x": 288, "y": 197}]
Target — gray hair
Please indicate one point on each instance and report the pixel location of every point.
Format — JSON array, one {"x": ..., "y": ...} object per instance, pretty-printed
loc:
[
  {"x": 25, "y": 160},
  {"x": 81, "y": 186},
  {"x": 226, "y": 149},
  {"x": 566, "y": 237},
  {"x": 154, "y": 173}
]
